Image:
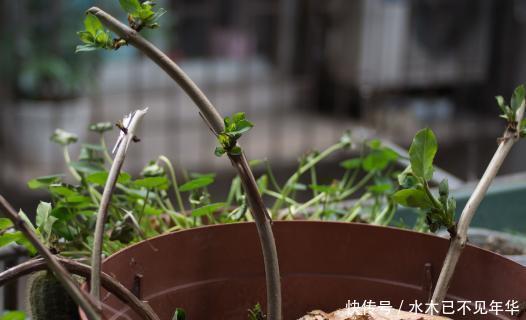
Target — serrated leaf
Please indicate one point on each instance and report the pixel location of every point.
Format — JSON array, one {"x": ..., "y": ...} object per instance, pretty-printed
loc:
[
  {"x": 422, "y": 152},
  {"x": 208, "y": 209},
  {"x": 197, "y": 183},
  {"x": 413, "y": 198}
]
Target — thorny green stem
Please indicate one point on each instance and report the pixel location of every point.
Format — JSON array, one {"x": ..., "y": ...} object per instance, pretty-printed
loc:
[
  {"x": 84, "y": 300},
  {"x": 106, "y": 199},
  {"x": 75, "y": 267},
  {"x": 175, "y": 186},
  {"x": 458, "y": 241},
  {"x": 215, "y": 121}
]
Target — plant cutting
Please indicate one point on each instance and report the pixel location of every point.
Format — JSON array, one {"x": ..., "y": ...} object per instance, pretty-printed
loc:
[{"x": 126, "y": 210}]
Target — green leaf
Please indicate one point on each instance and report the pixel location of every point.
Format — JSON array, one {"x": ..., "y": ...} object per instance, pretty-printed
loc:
[
  {"x": 153, "y": 183},
  {"x": 351, "y": 163},
  {"x": 500, "y": 102},
  {"x": 44, "y": 182},
  {"x": 44, "y": 220},
  {"x": 324, "y": 188},
  {"x": 179, "y": 314},
  {"x": 378, "y": 160},
  {"x": 101, "y": 127},
  {"x": 235, "y": 151},
  {"x": 517, "y": 98},
  {"x": 25, "y": 218},
  {"x": 13, "y": 315},
  {"x": 5, "y": 223},
  {"x": 87, "y": 167},
  {"x": 422, "y": 152},
  {"x": 219, "y": 151},
  {"x": 63, "y": 189},
  {"x": 413, "y": 198},
  {"x": 63, "y": 137},
  {"x": 10, "y": 237},
  {"x": 130, "y": 6},
  {"x": 443, "y": 188},
  {"x": 99, "y": 178},
  {"x": 92, "y": 24},
  {"x": 208, "y": 209},
  {"x": 43, "y": 212},
  {"x": 380, "y": 188},
  {"x": 153, "y": 169},
  {"x": 200, "y": 182}
]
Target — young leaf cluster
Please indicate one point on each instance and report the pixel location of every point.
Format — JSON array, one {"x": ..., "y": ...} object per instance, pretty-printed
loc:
[
  {"x": 94, "y": 36},
  {"x": 256, "y": 313},
  {"x": 414, "y": 184},
  {"x": 142, "y": 14},
  {"x": 235, "y": 126},
  {"x": 509, "y": 111}
]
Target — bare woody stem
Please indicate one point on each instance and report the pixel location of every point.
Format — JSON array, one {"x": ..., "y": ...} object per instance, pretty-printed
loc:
[
  {"x": 458, "y": 242},
  {"x": 102, "y": 215},
  {"x": 74, "y": 267},
  {"x": 215, "y": 121},
  {"x": 85, "y": 301}
]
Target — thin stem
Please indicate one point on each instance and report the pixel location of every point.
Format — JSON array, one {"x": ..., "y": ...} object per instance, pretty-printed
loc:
[
  {"x": 214, "y": 119},
  {"x": 458, "y": 242},
  {"x": 67, "y": 159},
  {"x": 113, "y": 175},
  {"x": 287, "y": 188},
  {"x": 105, "y": 149},
  {"x": 77, "y": 268},
  {"x": 356, "y": 187},
  {"x": 85, "y": 301},
  {"x": 177, "y": 193}
]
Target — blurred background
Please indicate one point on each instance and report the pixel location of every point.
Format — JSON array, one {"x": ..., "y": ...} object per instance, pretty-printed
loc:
[{"x": 304, "y": 71}]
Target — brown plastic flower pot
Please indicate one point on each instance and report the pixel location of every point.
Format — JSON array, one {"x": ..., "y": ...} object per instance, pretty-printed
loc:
[{"x": 216, "y": 272}]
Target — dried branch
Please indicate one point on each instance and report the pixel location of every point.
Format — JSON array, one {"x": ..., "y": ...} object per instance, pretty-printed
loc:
[
  {"x": 84, "y": 300},
  {"x": 126, "y": 137},
  {"x": 458, "y": 242},
  {"x": 215, "y": 121},
  {"x": 110, "y": 284}
]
